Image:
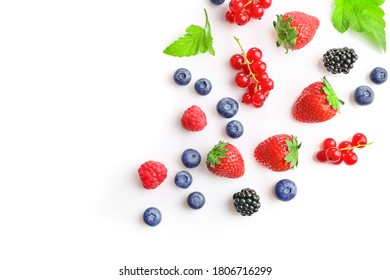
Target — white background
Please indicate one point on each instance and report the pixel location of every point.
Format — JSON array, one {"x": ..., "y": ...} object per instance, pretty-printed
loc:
[{"x": 86, "y": 96}]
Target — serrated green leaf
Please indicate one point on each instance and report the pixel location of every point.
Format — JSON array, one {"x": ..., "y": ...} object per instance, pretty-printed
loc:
[
  {"x": 331, "y": 95},
  {"x": 293, "y": 146},
  {"x": 209, "y": 41},
  {"x": 363, "y": 16},
  {"x": 190, "y": 44},
  {"x": 340, "y": 18},
  {"x": 196, "y": 40},
  {"x": 217, "y": 152}
]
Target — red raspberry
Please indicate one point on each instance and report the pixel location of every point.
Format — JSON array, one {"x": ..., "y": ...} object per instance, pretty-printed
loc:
[
  {"x": 194, "y": 119},
  {"x": 152, "y": 174}
]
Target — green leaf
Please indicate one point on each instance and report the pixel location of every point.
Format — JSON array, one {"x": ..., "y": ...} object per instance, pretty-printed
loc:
[
  {"x": 196, "y": 40},
  {"x": 363, "y": 16},
  {"x": 287, "y": 35},
  {"x": 217, "y": 152},
  {"x": 331, "y": 95},
  {"x": 293, "y": 146}
]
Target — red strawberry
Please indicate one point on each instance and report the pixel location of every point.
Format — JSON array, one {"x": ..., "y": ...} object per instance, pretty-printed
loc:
[
  {"x": 194, "y": 119},
  {"x": 152, "y": 174},
  {"x": 317, "y": 103},
  {"x": 225, "y": 160},
  {"x": 295, "y": 29},
  {"x": 278, "y": 152}
]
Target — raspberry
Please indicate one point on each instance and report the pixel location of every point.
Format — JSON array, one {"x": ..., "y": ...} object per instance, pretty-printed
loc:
[
  {"x": 152, "y": 174},
  {"x": 193, "y": 119},
  {"x": 246, "y": 202}
]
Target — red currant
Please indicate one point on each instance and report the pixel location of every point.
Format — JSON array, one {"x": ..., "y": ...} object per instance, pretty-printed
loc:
[
  {"x": 258, "y": 67},
  {"x": 251, "y": 72},
  {"x": 350, "y": 158},
  {"x": 258, "y": 98},
  {"x": 333, "y": 154},
  {"x": 236, "y": 6},
  {"x": 262, "y": 77},
  {"x": 242, "y": 18},
  {"x": 267, "y": 84},
  {"x": 327, "y": 143},
  {"x": 242, "y": 80},
  {"x": 345, "y": 147},
  {"x": 359, "y": 140},
  {"x": 229, "y": 16},
  {"x": 247, "y": 98},
  {"x": 254, "y": 54},
  {"x": 321, "y": 157},
  {"x": 256, "y": 11},
  {"x": 266, "y": 3},
  {"x": 237, "y": 61},
  {"x": 254, "y": 87}
]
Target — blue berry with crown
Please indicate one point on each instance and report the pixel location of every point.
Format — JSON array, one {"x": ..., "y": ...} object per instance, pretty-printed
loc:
[
  {"x": 183, "y": 179},
  {"x": 364, "y": 95},
  {"x": 182, "y": 76},
  {"x": 227, "y": 107},
  {"x": 203, "y": 86},
  {"x": 152, "y": 216},
  {"x": 378, "y": 75},
  {"x": 191, "y": 158}
]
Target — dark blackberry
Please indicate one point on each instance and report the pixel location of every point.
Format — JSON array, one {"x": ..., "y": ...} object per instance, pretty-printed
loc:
[
  {"x": 246, "y": 202},
  {"x": 339, "y": 60}
]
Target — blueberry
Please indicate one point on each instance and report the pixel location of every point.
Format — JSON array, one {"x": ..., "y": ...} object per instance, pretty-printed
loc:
[
  {"x": 182, "y": 76},
  {"x": 203, "y": 86},
  {"x": 196, "y": 200},
  {"x": 227, "y": 107},
  {"x": 234, "y": 129},
  {"x": 183, "y": 179},
  {"x": 378, "y": 75},
  {"x": 152, "y": 216},
  {"x": 285, "y": 190},
  {"x": 217, "y": 2},
  {"x": 364, "y": 95},
  {"x": 191, "y": 158}
]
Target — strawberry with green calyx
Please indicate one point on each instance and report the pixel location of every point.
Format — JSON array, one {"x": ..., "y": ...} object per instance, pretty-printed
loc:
[
  {"x": 278, "y": 152},
  {"x": 318, "y": 102},
  {"x": 225, "y": 160},
  {"x": 295, "y": 29}
]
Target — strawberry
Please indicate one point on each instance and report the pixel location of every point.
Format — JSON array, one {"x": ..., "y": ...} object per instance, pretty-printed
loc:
[
  {"x": 225, "y": 160},
  {"x": 152, "y": 174},
  {"x": 295, "y": 29},
  {"x": 194, "y": 119},
  {"x": 278, "y": 152},
  {"x": 317, "y": 103}
]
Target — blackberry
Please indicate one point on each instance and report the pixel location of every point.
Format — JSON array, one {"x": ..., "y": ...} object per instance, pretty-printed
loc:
[
  {"x": 339, "y": 60},
  {"x": 246, "y": 202}
]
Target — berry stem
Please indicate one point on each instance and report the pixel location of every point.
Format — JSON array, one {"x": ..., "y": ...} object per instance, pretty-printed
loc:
[
  {"x": 247, "y": 62},
  {"x": 207, "y": 24},
  {"x": 248, "y": 3},
  {"x": 356, "y": 146}
]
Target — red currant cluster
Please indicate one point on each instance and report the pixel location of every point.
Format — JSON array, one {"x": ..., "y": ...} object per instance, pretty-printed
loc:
[
  {"x": 343, "y": 152},
  {"x": 252, "y": 75},
  {"x": 241, "y": 11}
]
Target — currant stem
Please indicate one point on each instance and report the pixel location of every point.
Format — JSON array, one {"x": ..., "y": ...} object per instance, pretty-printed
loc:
[
  {"x": 248, "y": 3},
  {"x": 357, "y": 146},
  {"x": 247, "y": 62}
]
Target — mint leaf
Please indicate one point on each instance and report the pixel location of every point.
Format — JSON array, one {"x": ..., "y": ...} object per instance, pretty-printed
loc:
[
  {"x": 363, "y": 16},
  {"x": 196, "y": 40}
]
